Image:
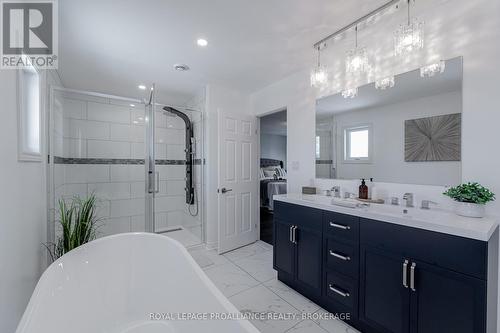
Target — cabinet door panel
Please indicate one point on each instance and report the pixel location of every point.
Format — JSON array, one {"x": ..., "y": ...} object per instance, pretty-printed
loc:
[
  {"x": 384, "y": 301},
  {"x": 309, "y": 258},
  {"x": 284, "y": 249},
  {"x": 446, "y": 301}
]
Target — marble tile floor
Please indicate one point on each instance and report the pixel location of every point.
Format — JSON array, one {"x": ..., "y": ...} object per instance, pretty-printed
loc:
[
  {"x": 184, "y": 236},
  {"x": 247, "y": 278}
]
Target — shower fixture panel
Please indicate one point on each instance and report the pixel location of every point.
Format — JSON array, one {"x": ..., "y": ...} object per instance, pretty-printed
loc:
[{"x": 189, "y": 150}]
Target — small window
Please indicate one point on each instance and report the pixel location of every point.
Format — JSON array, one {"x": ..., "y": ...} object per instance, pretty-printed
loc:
[
  {"x": 318, "y": 147},
  {"x": 29, "y": 147},
  {"x": 357, "y": 144}
]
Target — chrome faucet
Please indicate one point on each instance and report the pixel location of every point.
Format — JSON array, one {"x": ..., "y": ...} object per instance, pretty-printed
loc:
[
  {"x": 347, "y": 195},
  {"x": 408, "y": 198},
  {"x": 426, "y": 204},
  {"x": 336, "y": 191}
]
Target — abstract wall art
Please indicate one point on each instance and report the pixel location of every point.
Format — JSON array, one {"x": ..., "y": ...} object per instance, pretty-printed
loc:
[{"x": 435, "y": 138}]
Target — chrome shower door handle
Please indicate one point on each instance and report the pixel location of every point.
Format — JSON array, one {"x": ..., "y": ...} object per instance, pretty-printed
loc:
[
  {"x": 153, "y": 182},
  {"x": 157, "y": 178}
]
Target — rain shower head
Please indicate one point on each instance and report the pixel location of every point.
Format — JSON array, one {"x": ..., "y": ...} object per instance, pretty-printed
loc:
[{"x": 179, "y": 114}]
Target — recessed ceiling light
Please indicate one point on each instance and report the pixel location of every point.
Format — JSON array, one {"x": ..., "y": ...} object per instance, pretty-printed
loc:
[
  {"x": 202, "y": 42},
  {"x": 181, "y": 67},
  {"x": 142, "y": 87},
  {"x": 132, "y": 105}
]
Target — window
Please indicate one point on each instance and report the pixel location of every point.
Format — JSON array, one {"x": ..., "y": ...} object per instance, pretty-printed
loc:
[
  {"x": 29, "y": 148},
  {"x": 358, "y": 144},
  {"x": 318, "y": 148}
]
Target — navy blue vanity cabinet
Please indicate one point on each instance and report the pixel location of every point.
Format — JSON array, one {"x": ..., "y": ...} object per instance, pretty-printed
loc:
[
  {"x": 419, "y": 281},
  {"x": 297, "y": 247},
  {"x": 384, "y": 300},
  {"x": 390, "y": 278},
  {"x": 341, "y": 263},
  {"x": 446, "y": 301},
  {"x": 284, "y": 248}
]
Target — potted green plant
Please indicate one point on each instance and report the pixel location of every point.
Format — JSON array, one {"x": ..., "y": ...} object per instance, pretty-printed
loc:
[
  {"x": 470, "y": 198},
  {"x": 78, "y": 223}
]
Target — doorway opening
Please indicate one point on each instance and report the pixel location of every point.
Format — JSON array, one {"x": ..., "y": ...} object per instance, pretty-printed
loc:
[{"x": 273, "y": 168}]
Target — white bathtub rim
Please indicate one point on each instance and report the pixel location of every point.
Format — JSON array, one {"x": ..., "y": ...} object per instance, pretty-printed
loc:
[{"x": 230, "y": 308}]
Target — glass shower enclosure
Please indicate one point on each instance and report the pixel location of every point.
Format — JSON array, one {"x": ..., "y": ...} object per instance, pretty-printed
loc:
[{"x": 131, "y": 155}]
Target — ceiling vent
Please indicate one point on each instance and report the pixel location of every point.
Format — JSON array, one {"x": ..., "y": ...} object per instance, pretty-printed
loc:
[{"x": 181, "y": 67}]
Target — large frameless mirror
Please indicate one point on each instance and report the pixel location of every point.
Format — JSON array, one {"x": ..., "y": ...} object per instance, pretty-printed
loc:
[{"x": 404, "y": 129}]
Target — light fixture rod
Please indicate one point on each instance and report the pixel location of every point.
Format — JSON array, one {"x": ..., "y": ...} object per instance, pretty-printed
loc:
[{"x": 355, "y": 23}]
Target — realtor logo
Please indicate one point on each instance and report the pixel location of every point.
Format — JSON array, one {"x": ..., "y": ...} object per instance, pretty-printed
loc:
[{"x": 29, "y": 34}]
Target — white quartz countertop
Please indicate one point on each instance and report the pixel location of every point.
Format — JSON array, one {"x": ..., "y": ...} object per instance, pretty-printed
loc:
[{"x": 433, "y": 220}]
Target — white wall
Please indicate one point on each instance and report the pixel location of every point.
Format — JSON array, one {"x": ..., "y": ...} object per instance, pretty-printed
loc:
[
  {"x": 218, "y": 98},
  {"x": 453, "y": 28},
  {"x": 295, "y": 94},
  {"x": 23, "y": 207},
  {"x": 273, "y": 146},
  {"x": 388, "y": 161}
]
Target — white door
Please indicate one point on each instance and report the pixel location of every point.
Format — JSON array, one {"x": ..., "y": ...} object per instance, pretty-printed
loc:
[{"x": 238, "y": 186}]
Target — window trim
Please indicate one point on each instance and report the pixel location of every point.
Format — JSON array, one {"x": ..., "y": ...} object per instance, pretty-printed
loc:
[
  {"x": 23, "y": 154},
  {"x": 345, "y": 142}
]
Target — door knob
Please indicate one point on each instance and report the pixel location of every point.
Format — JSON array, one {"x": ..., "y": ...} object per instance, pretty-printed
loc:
[{"x": 225, "y": 190}]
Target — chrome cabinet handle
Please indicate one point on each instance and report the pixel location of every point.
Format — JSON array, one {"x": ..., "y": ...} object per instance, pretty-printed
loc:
[
  {"x": 412, "y": 276},
  {"x": 337, "y": 255},
  {"x": 338, "y": 291},
  {"x": 405, "y": 274},
  {"x": 291, "y": 234},
  {"x": 339, "y": 226},
  {"x": 294, "y": 234}
]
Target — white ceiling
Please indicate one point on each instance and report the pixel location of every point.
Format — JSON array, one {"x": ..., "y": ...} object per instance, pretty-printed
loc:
[
  {"x": 407, "y": 86},
  {"x": 111, "y": 46},
  {"x": 274, "y": 123}
]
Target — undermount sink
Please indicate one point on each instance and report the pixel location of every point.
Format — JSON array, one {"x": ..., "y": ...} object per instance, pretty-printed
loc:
[
  {"x": 406, "y": 212},
  {"x": 399, "y": 211},
  {"x": 348, "y": 203}
]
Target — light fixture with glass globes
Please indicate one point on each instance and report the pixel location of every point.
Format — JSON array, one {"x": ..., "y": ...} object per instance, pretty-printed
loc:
[
  {"x": 410, "y": 35},
  {"x": 357, "y": 59},
  {"x": 350, "y": 93},
  {"x": 319, "y": 75},
  {"x": 433, "y": 69},
  {"x": 385, "y": 83}
]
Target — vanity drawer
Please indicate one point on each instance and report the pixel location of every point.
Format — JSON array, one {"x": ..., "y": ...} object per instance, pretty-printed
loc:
[
  {"x": 342, "y": 289},
  {"x": 459, "y": 254},
  {"x": 342, "y": 257},
  {"x": 340, "y": 226},
  {"x": 298, "y": 215}
]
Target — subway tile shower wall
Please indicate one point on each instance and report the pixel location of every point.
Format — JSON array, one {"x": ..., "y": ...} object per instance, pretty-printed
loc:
[{"x": 86, "y": 127}]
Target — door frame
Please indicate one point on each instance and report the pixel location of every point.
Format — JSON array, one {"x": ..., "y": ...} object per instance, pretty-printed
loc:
[{"x": 259, "y": 155}]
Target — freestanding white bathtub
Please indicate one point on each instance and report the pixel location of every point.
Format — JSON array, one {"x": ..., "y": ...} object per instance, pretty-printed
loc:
[{"x": 133, "y": 283}]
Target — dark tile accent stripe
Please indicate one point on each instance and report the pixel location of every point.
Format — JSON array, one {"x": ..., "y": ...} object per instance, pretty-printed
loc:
[
  {"x": 324, "y": 161},
  {"x": 170, "y": 162},
  {"x": 123, "y": 161}
]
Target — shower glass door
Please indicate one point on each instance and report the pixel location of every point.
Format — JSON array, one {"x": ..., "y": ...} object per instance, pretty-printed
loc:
[
  {"x": 131, "y": 155},
  {"x": 97, "y": 146}
]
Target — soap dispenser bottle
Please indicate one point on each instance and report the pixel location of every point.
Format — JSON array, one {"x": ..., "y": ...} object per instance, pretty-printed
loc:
[{"x": 363, "y": 190}]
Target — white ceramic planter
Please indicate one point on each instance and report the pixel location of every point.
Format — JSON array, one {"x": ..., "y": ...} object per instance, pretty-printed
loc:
[{"x": 468, "y": 209}]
